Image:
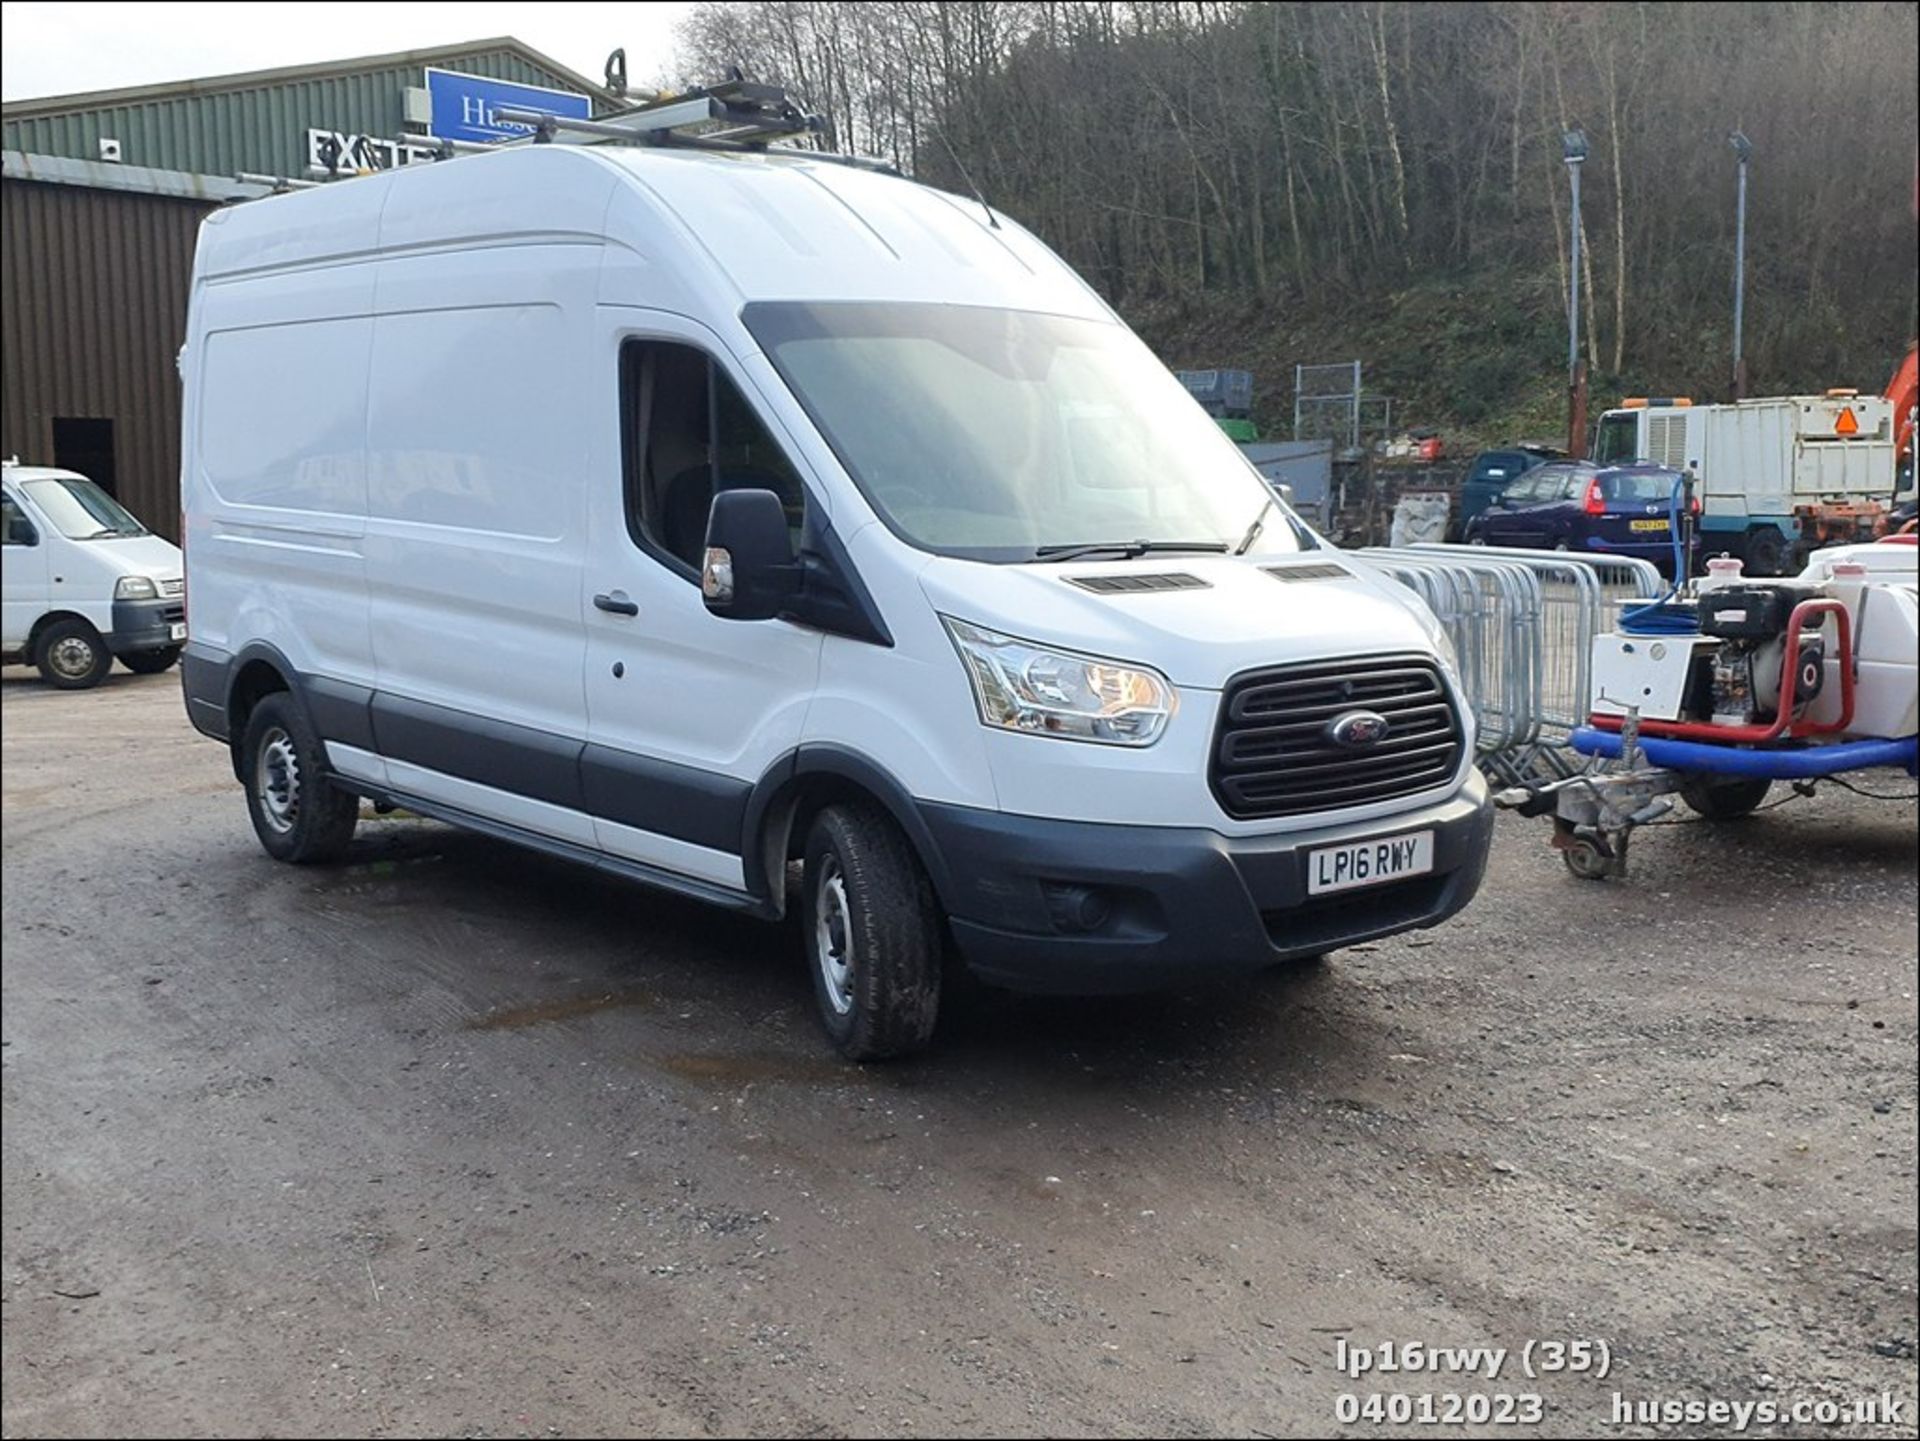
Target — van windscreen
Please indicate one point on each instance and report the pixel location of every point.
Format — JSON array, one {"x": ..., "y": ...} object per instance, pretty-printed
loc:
[
  {"x": 999, "y": 434},
  {"x": 81, "y": 510}
]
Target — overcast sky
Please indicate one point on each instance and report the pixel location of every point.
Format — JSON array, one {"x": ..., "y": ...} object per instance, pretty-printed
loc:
[{"x": 56, "y": 49}]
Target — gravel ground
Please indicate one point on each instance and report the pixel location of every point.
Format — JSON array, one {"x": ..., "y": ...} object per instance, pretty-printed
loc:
[{"x": 457, "y": 1139}]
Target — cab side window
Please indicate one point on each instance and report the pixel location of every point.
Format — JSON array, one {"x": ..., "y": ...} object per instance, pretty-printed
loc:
[
  {"x": 18, "y": 529},
  {"x": 1525, "y": 490},
  {"x": 687, "y": 433}
]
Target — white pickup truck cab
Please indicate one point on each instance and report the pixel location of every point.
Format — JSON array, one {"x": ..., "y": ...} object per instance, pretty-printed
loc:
[
  {"x": 84, "y": 582},
  {"x": 691, "y": 515}
]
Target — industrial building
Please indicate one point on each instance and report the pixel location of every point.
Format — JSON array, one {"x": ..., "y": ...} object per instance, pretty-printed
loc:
[{"x": 103, "y": 193}]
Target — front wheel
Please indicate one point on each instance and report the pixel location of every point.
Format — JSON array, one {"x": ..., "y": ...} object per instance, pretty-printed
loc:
[
  {"x": 71, "y": 655},
  {"x": 1586, "y": 860},
  {"x": 1724, "y": 798},
  {"x": 151, "y": 662},
  {"x": 299, "y": 815},
  {"x": 872, "y": 928}
]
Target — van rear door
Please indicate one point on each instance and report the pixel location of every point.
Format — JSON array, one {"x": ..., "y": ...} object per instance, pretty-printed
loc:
[{"x": 476, "y": 477}]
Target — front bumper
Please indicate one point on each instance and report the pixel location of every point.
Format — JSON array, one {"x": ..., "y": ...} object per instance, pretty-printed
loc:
[
  {"x": 141, "y": 625},
  {"x": 1180, "y": 904}
]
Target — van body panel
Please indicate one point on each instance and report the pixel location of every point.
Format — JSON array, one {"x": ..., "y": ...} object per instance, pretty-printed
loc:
[
  {"x": 477, "y": 476},
  {"x": 1238, "y": 617},
  {"x": 274, "y": 476},
  {"x": 787, "y": 231},
  {"x": 879, "y": 701},
  {"x": 25, "y": 589},
  {"x": 674, "y": 684}
]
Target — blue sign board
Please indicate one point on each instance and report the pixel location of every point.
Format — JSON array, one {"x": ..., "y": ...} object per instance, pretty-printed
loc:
[{"x": 465, "y": 107}]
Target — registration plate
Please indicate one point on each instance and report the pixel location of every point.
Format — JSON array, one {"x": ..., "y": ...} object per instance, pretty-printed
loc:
[
  {"x": 177, "y": 631},
  {"x": 1649, "y": 525},
  {"x": 1368, "y": 863}
]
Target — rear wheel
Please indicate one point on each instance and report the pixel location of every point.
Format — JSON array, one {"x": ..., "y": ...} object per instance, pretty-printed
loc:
[
  {"x": 1724, "y": 798},
  {"x": 1766, "y": 551},
  {"x": 151, "y": 662},
  {"x": 71, "y": 655},
  {"x": 299, "y": 815},
  {"x": 872, "y": 928}
]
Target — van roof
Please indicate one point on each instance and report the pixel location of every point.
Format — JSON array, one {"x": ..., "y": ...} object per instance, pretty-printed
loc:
[
  {"x": 19, "y": 473},
  {"x": 774, "y": 226}
]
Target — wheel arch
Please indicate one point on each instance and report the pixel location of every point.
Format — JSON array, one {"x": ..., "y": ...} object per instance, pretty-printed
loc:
[
  {"x": 52, "y": 618},
  {"x": 258, "y": 671},
  {"x": 798, "y": 787}
]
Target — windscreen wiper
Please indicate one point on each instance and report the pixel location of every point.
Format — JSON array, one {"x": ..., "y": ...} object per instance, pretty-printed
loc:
[
  {"x": 1126, "y": 549},
  {"x": 1253, "y": 531}
]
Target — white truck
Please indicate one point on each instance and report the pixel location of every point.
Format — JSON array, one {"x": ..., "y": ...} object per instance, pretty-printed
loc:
[{"x": 1776, "y": 476}]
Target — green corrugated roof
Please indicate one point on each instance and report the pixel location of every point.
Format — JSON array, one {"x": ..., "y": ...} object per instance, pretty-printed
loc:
[{"x": 259, "y": 121}]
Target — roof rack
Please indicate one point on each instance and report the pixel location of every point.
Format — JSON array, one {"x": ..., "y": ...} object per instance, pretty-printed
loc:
[
  {"x": 751, "y": 114},
  {"x": 737, "y": 116}
]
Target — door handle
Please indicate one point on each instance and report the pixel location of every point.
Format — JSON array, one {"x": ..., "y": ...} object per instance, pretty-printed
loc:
[{"x": 616, "y": 603}]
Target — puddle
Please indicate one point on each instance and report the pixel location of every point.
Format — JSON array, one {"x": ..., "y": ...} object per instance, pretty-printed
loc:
[{"x": 562, "y": 1008}]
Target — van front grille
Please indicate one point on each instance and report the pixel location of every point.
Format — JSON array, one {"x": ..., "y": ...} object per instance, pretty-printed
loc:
[{"x": 1274, "y": 753}]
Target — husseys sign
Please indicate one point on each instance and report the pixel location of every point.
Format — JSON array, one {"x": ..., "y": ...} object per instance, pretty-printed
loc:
[{"x": 459, "y": 107}]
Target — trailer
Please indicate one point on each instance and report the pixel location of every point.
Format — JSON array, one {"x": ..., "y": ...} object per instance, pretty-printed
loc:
[{"x": 1715, "y": 696}]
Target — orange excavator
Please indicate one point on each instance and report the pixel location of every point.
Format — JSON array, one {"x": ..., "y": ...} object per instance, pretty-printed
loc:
[{"x": 1904, "y": 391}]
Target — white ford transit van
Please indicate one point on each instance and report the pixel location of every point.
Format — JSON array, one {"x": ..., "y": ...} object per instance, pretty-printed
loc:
[
  {"x": 693, "y": 514},
  {"x": 84, "y": 582}
]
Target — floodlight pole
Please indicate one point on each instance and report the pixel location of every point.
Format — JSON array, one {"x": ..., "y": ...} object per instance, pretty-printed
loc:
[
  {"x": 1743, "y": 148},
  {"x": 1574, "y": 146}
]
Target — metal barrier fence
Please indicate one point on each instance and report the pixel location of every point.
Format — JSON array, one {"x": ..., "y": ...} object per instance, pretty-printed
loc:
[{"x": 1522, "y": 623}]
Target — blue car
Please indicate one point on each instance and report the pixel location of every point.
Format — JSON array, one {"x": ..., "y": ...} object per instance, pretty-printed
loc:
[
  {"x": 1493, "y": 471},
  {"x": 1577, "y": 505}
]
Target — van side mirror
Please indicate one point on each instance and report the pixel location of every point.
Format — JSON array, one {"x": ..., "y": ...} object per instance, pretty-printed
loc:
[{"x": 749, "y": 572}]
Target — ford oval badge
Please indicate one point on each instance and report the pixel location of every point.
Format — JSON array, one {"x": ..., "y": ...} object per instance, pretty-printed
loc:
[{"x": 1357, "y": 729}]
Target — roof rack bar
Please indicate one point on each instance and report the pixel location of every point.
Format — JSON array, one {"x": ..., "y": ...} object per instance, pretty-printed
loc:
[
  {"x": 875, "y": 163},
  {"x": 275, "y": 182}
]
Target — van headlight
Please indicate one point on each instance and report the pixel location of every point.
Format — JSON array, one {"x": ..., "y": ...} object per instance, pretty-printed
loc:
[
  {"x": 1020, "y": 686},
  {"x": 135, "y": 587}
]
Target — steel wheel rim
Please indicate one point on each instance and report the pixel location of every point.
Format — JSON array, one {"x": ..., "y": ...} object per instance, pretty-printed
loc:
[
  {"x": 71, "y": 657},
  {"x": 277, "y": 781},
  {"x": 833, "y": 935}
]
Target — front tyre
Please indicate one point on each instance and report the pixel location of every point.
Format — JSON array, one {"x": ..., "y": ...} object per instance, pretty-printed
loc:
[
  {"x": 872, "y": 928},
  {"x": 299, "y": 815},
  {"x": 151, "y": 662}
]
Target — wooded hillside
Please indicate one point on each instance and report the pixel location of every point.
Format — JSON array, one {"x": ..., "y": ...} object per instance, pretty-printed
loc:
[{"x": 1268, "y": 183}]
